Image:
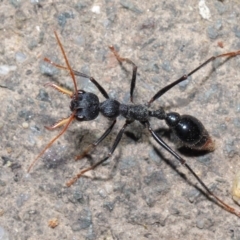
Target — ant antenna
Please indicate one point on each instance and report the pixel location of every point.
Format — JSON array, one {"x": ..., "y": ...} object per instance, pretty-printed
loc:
[
  {"x": 66, "y": 60},
  {"x": 65, "y": 121}
]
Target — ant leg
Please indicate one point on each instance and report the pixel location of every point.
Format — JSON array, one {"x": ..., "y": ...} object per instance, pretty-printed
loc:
[
  {"x": 115, "y": 144},
  {"x": 66, "y": 121},
  {"x": 134, "y": 74},
  {"x": 99, "y": 87},
  {"x": 183, "y": 162},
  {"x": 184, "y": 77},
  {"x": 95, "y": 144}
]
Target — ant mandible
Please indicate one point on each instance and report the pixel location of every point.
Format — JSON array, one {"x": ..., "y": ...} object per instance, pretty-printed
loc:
[{"x": 85, "y": 106}]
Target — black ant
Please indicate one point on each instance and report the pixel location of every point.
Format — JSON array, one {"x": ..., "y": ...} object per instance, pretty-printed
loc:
[{"x": 85, "y": 106}]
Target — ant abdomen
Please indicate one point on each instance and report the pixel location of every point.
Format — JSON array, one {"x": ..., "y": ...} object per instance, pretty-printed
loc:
[{"x": 190, "y": 131}]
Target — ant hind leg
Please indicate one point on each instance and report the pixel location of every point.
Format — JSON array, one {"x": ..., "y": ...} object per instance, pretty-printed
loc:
[
  {"x": 184, "y": 77},
  {"x": 216, "y": 199}
]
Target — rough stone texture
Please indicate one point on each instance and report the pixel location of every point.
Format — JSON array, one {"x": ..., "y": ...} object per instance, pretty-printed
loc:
[{"x": 141, "y": 192}]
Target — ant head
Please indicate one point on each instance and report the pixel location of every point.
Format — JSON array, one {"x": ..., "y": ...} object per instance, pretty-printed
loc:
[{"x": 85, "y": 105}]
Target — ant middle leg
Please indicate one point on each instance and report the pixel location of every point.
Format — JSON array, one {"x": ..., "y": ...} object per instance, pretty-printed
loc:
[
  {"x": 134, "y": 74},
  {"x": 95, "y": 144},
  {"x": 184, "y": 77},
  {"x": 115, "y": 144}
]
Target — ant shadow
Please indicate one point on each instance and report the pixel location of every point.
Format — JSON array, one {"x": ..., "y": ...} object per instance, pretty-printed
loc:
[
  {"x": 174, "y": 167},
  {"x": 86, "y": 137},
  {"x": 165, "y": 133}
]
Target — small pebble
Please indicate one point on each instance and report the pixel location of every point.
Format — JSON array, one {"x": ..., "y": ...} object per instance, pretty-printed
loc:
[
  {"x": 15, "y": 3},
  {"x": 34, "y": 1},
  {"x": 20, "y": 19},
  {"x": 203, "y": 222},
  {"x": 21, "y": 199},
  {"x": 9, "y": 150},
  {"x": 5, "y": 69},
  {"x": 53, "y": 222},
  {"x": 204, "y": 10},
  {"x": 212, "y": 32},
  {"x": 20, "y": 57},
  {"x": 102, "y": 193},
  {"x": 96, "y": 9},
  {"x": 25, "y": 125},
  {"x": 130, "y": 5}
]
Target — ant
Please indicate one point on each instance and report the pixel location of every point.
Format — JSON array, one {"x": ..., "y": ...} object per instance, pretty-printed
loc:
[{"x": 85, "y": 106}]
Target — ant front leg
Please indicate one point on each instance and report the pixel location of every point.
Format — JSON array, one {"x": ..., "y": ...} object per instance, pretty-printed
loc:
[
  {"x": 95, "y": 144},
  {"x": 134, "y": 74},
  {"x": 183, "y": 162},
  {"x": 99, "y": 87},
  {"x": 115, "y": 144},
  {"x": 76, "y": 73}
]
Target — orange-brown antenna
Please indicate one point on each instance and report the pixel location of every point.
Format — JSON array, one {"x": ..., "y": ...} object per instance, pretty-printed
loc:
[
  {"x": 68, "y": 120},
  {"x": 54, "y": 64},
  {"x": 65, "y": 121},
  {"x": 66, "y": 60}
]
